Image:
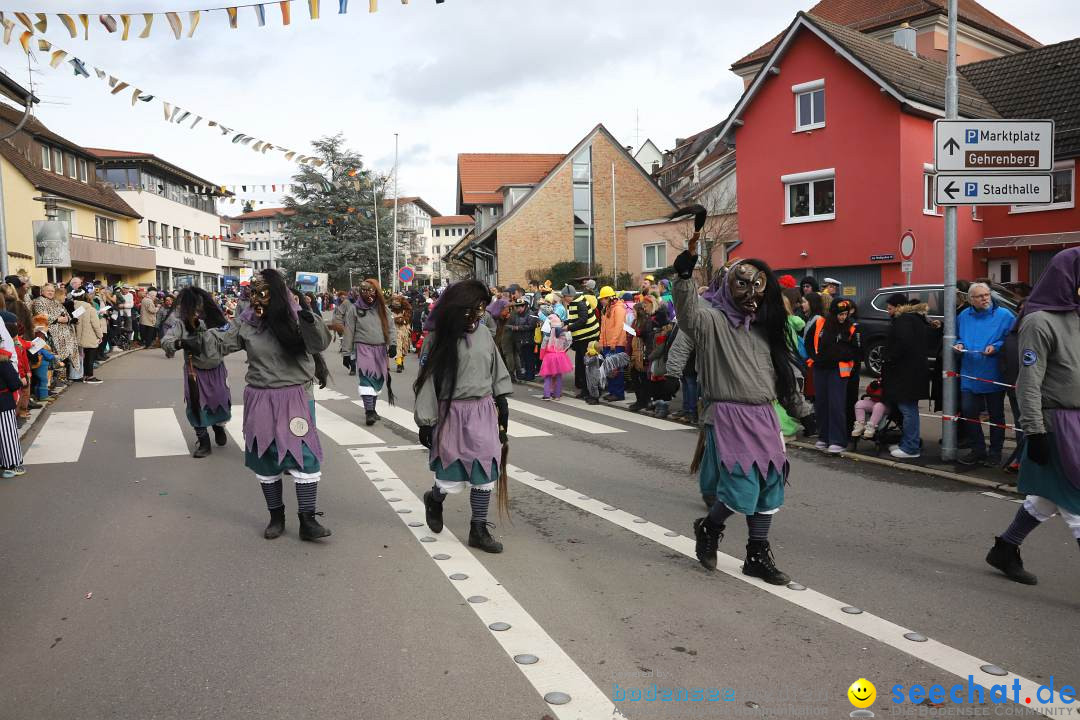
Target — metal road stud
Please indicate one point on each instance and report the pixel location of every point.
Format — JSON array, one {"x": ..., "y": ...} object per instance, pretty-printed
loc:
[
  {"x": 851, "y": 610},
  {"x": 416, "y": 523},
  {"x": 403, "y": 511},
  {"x": 671, "y": 533},
  {"x": 608, "y": 508},
  {"x": 499, "y": 626},
  {"x": 526, "y": 659},
  {"x": 640, "y": 520},
  {"x": 915, "y": 637},
  {"x": 556, "y": 698},
  {"x": 582, "y": 497},
  {"x": 427, "y": 538},
  {"x": 393, "y": 499},
  {"x": 795, "y": 586},
  {"x": 560, "y": 487},
  {"x": 441, "y": 556},
  {"x": 476, "y": 599},
  {"x": 993, "y": 670},
  {"x": 384, "y": 489},
  {"x": 459, "y": 576}
]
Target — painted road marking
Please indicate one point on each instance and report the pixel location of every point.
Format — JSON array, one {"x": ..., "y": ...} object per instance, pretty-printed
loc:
[
  {"x": 342, "y": 431},
  {"x": 556, "y": 672},
  {"x": 158, "y": 433},
  {"x": 625, "y": 415},
  {"x": 935, "y": 653},
  {"x": 235, "y": 426},
  {"x": 61, "y": 440},
  {"x": 998, "y": 496},
  {"x": 571, "y": 422},
  {"x": 328, "y": 394},
  {"x": 400, "y": 416}
]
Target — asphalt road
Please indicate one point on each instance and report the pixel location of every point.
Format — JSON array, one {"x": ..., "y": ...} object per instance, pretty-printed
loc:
[{"x": 136, "y": 583}]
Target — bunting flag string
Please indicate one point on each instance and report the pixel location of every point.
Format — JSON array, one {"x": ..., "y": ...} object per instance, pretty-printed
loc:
[{"x": 108, "y": 20}]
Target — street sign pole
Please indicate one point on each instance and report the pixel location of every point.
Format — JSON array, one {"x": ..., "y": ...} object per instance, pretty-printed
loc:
[{"x": 948, "y": 357}]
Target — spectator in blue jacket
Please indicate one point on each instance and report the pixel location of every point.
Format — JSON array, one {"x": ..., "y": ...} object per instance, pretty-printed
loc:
[{"x": 980, "y": 334}]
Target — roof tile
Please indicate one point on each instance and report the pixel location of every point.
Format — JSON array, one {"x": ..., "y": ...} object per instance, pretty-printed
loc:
[{"x": 480, "y": 175}]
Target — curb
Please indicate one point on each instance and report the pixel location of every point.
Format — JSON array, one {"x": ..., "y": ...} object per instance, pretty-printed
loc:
[
  {"x": 36, "y": 414},
  {"x": 857, "y": 457}
]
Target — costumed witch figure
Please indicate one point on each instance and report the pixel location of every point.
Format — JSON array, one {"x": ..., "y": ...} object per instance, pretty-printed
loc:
[
  {"x": 739, "y": 330},
  {"x": 283, "y": 340},
  {"x": 461, "y": 410},
  {"x": 1048, "y": 388},
  {"x": 206, "y": 381},
  {"x": 365, "y": 327},
  {"x": 402, "y": 311}
]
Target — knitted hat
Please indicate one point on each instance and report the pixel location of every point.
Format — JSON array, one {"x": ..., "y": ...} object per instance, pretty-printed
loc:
[{"x": 839, "y": 306}]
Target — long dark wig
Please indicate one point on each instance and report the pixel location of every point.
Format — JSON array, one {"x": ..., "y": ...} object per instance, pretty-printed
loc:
[
  {"x": 189, "y": 311},
  {"x": 452, "y": 318},
  {"x": 280, "y": 317},
  {"x": 322, "y": 372},
  {"x": 772, "y": 316}
]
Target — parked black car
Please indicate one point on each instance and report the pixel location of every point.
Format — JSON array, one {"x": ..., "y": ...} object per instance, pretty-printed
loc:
[{"x": 874, "y": 318}]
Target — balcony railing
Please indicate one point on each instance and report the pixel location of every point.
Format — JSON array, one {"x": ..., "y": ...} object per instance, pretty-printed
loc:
[{"x": 89, "y": 251}]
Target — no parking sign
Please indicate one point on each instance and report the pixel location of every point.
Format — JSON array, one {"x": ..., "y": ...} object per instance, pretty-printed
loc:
[{"x": 406, "y": 274}]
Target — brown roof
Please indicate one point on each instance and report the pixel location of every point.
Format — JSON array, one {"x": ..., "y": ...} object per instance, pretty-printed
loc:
[
  {"x": 265, "y": 213},
  {"x": 452, "y": 220},
  {"x": 106, "y": 154},
  {"x": 480, "y": 175},
  {"x": 92, "y": 193},
  {"x": 868, "y": 15},
  {"x": 1039, "y": 83},
  {"x": 389, "y": 202}
]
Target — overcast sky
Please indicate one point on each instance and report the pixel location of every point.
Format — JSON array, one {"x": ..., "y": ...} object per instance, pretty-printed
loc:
[{"x": 463, "y": 76}]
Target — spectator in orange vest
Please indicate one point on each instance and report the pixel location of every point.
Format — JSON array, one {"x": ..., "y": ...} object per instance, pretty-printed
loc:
[{"x": 833, "y": 348}]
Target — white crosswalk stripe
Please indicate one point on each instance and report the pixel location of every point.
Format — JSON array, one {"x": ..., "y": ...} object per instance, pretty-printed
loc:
[
  {"x": 342, "y": 431},
  {"x": 655, "y": 423},
  {"x": 404, "y": 418},
  {"x": 328, "y": 394},
  {"x": 235, "y": 426},
  {"x": 158, "y": 433},
  {"x": 564, "y": 419},
  {"x": 61, "y": 439}
]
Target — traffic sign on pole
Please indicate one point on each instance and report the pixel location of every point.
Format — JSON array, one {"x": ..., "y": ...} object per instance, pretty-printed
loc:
[
  {"x": 907, "y": 245},
  {"x": 993, "y": 189},
  {"x": 993, "y": 145},
  {"x": 406, "y": 274}
]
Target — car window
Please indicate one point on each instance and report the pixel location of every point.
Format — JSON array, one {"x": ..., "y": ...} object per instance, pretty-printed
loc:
[{"x": 936, "y": 302}]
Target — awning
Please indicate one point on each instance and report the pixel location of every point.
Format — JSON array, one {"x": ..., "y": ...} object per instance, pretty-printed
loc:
[{"x": 1016, "y": 241}]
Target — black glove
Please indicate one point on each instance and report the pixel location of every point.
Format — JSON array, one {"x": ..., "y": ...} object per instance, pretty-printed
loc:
[
  {"x": 425, "y": 435},
  {"x": 191, "y": 345},
  {"x": 809, "y": 424},
  {"x": 1038, "y": 448},
  {"x": 685, "y": 263},
  {"x": 307, "y": 316},
  {"x": 504, "y": 417}
]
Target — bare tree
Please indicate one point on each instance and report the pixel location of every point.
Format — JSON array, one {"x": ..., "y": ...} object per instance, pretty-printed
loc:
[{"x": 721, "y": 228}]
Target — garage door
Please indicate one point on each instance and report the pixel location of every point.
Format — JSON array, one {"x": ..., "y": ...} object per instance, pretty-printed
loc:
[
  {"x": 1039, "y": 262},
  {"x": 862, "y": 280}
]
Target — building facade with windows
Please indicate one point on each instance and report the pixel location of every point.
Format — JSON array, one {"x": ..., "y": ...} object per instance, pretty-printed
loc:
[
  {"x": 233, "y": 250},
  {"x": 446, "y": 232},
  {"x": 263, "y": 233},
  {"x": 414, "y": 225},
  {"x": 36, "y": 162},
  {"x": 180, "y": 221}
]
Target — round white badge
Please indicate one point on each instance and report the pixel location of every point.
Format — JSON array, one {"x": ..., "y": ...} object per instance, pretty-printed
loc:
[{"x": 298, "y": 426}]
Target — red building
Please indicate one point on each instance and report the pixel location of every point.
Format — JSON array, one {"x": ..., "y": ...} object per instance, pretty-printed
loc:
[{"x": 834, "y": 138}]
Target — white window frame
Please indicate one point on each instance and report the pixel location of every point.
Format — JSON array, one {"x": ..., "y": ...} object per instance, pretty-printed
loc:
[
  {"x": 100, "y": 221},
  {"x": 802, "y": 89},
  {"x": 46, "y": 157},
  {"x": 928, "y": 192},
  {"x": 807, "y": 177},
  {"x": 82, "y": 170},
  {"x": 58, "y": 161},
  {"x": 1058, "y": 166},
  {"x": 72, "y": 162},
  {"x": 645, "y": 254}
]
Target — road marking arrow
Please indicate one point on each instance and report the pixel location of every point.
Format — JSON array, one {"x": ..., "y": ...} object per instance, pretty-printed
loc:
[
  {"x": 951, "y": 189},
  {"x": 952, "y": 146}
]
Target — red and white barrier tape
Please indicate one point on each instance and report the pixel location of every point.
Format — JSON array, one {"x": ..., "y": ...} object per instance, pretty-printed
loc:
[
  {"x": 951, "y": 373},
  {"x": 955, "y": 418}
]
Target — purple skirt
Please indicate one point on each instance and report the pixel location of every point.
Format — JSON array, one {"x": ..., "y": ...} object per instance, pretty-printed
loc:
[
  {"x": 748, "y": 436},
  {"x": 213, "y": 386},
  {"x": 371, "y": 360},
  {"x": 468, "y": 431},
  {"x": 1067, "y": 432},
  {"x": 283, "y": 416}
]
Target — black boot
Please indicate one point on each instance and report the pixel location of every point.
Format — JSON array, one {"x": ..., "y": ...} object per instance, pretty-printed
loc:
[
  {"x": 480, "y": 537},
  {"x": 1006, "y": 557},
  {"x": 710, "y": 500},
  {"x": 759, "y": 563},
  {"x": 219, "y": 435},
  {"x": 203, "y": 448},
  {"x": 433, "y": 509},
  {"x": 310, "y": 529},
  {"x": 707, "y": 539},
  {"x": 277, "y": 524},
  {"x": 370, "y": 417}
]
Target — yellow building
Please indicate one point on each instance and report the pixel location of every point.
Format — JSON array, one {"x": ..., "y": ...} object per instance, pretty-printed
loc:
[{"x": 36, "y": 162}]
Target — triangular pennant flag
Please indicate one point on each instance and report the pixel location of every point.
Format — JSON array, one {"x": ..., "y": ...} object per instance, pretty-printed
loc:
[
  {"x": 211, "y": 123},
  {"x": 260, "y": 15},
  {"x": 247, "y": 140},
  {"x": 258, "y": 146},
  {"x": 313, "y": 9},
  {"x": 43, "y": 45},
  {"x": 289, "y": 155},
  {"x": 109, "y": 22},
  {"x": 69, "y": 23},
  {"x": 135, "y": 96},
  {"x": 238, "y": 138},
  {"x": 343, "y": 7},
  {"x": 373, "y": 6},
  {"x": 175, "y": 24},
  {"x": 167, "y": 108},
  {"x": 8, "y": 27},
  {"x": 263, "y": 188},
  {"x": 25, "y": 20},
  {"x": 224, "y": 130},
  {"x": 273, "y": 188},
  {"x": 286, "y": 11},
  {"x": 113, "y": 81},
  {"x": 57, "y": 58},
  {"x": 245, "y": 187},
  {"x": 232, "y": 17},
  {"x": 42, "y": 22},
  {"x": 148, "y": 18},
  {"x": 79, "y": 67},
  {"x": 193, "y": 21},
  {"x": 183, "y": 117},
  {"x": 85, "y": 20},
  {"x": 146, "y": 98},
  {"x": 101, "y": 74},
  {"x": 119, "y": 87},
  {"x": 198, "y": 119},
  {"x": 176, "y": 111},
  {"x": 266, "y": 147},
  {"x": 25, "y": 40},
  {"x": 125, "y": 21}
]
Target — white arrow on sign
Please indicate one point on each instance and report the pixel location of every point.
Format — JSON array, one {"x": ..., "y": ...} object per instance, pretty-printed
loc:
[
  {"x": 993, "y": 145},
  {"x": 993, "y": 189}
]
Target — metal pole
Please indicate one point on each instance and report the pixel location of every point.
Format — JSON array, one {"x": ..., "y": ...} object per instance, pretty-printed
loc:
[
  {"x": 375, "y": 205},
  {"x": 948, "y": 357},
  {"x": 393, "y": 269},
  {"x": 614, "y": 236},
  {"x": 592, "y": 215}
]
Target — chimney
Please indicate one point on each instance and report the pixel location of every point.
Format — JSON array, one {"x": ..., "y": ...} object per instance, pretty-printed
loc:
[{"x": 904, "y": 38}]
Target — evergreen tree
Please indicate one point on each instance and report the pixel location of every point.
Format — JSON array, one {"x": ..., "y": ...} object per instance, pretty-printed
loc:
[
  {"x": 249, "y": 206},
  {"x": 333, "y": 230}
]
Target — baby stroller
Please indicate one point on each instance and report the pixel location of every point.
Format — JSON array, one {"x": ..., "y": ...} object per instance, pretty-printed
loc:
[{"x": 889, "y": 431}]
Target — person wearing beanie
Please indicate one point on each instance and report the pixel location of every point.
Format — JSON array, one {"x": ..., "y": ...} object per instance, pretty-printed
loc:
[{"x": 833, "y": 349}]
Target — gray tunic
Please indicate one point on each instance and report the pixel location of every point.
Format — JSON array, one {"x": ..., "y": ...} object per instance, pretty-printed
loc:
[
  {"x": 268, "y": 364},
  {"x": 175, "y": 330},
  {"x": 1044, "y": 386},
  {"x": 359, "y": 328},
  {"x": 481, "y": 372},
  {"x": 734, "y": 365}
]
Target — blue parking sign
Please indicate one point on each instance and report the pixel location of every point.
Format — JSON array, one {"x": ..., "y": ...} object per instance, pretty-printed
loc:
[
  {"x": 971, "y": 189},
  {"x": 971, "y": 136}
]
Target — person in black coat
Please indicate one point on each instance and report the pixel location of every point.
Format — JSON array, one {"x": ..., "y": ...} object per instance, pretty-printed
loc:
[{"x": 906, "y": 374}]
